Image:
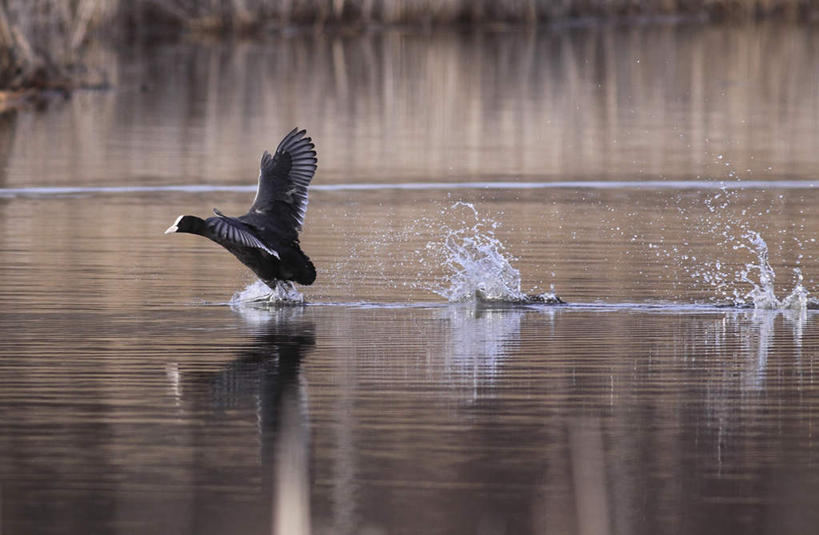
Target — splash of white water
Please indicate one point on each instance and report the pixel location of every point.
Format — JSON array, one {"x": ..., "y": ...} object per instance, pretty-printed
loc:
[
  {"x": 260, "y": 294},
  {"x": 736, "y": 221},
  {"x": 762, "y": 292},
  {"x": 477, "y": 263}
]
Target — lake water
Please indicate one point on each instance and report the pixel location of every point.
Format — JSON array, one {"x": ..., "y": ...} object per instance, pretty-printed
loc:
[{"x": 646, "y": 175}]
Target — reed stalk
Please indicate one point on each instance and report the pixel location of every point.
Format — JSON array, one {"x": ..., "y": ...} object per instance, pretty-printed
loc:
[{"x": 40, "y": 40}]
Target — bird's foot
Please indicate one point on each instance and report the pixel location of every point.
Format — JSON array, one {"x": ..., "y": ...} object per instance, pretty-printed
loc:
[{"x": 284, "y": 293}]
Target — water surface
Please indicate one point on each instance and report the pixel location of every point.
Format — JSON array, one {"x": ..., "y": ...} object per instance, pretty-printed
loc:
[{"x": 625, "y": 169}]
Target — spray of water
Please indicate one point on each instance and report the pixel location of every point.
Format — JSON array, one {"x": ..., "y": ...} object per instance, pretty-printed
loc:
[
  {"x": 259, "y": 294},
  {"x": 760, "y": 276},
  {"x": 736, "y": 223},
  {"x": 476, "y": 262},
  {"x": 734, "y": 231}
]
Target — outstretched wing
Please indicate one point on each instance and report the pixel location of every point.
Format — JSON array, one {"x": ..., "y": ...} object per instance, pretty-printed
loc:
[
  {"x": 228, "y": 230},
  {"x": 284, "y": 179}
]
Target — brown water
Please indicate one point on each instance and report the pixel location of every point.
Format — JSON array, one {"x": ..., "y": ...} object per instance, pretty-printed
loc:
[{"x": 137, "y": 397}]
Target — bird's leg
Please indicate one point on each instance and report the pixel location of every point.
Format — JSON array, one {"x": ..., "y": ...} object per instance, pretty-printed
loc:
[
  {"x": 283, "y": 292},
  {"x": 280, "y": 290},
  {"x": 272, "y": 284},
  {"x": 288, "y": 286}
]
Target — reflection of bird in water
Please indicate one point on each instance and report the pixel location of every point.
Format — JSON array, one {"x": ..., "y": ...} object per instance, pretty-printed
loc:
[
  {"x": 271, "y": 363},
  {"x": 266, "y": 238},
  {"x": 270, "y": 369},
  {"x": 262, "y": 385}
]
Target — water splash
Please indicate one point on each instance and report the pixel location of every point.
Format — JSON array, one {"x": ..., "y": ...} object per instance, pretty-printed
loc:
[
  {"x": 477, "y": 264},
  {"x": 735, "y": 220},
  {"x": 259, "y": 294},
  {"x": 762, "y": 292},
  {"x": 733, "y": 231}
]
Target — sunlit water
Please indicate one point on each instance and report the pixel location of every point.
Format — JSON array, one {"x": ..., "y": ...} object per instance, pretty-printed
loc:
[{"x": 426, "y": 383}]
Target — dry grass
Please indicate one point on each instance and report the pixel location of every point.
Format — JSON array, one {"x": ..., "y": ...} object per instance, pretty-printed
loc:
[{"x": 39, "y": 40}]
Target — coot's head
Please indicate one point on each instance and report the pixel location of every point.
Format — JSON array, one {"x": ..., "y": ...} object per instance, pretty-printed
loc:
[{"x": 186, "y": 223}]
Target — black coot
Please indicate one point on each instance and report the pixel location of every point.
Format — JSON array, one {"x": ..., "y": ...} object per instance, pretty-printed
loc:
[{"x": 266, "y": 238}]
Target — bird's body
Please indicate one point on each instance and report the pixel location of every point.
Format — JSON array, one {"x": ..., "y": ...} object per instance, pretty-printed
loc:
[{"x": 266, "y": 238}]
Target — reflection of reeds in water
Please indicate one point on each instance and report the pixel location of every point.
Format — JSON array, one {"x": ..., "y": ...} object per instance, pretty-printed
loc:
[
  {"x": 398, "y": 107},
  {"x": 39, "y": 40},
  {"x": 591, "y": 103},
  {"x": 247, "y": 14}
]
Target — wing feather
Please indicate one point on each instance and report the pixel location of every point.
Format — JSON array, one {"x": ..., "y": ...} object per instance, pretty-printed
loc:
[
  {"x": 284, "y": 178},
  {"x": 230, "y": 230}
]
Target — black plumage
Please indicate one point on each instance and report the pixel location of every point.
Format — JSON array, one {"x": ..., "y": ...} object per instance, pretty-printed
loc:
[{"x": 266, "y": 238}]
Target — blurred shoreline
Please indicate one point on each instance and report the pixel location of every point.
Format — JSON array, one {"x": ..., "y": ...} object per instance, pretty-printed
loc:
[{"x": 43, "y": 45}]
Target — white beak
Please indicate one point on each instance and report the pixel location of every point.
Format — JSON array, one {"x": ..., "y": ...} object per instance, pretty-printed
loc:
[{"x": 174, "y": 227}]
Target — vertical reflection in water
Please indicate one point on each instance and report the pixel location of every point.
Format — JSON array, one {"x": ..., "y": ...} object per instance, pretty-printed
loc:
[
  {"x": 291, "y": 506},
  {"x": 589, "y": 475},
  {"x": 270, "y": 371},
  {"x": 8, "y": 122},
  {"x": 758, "y": 360},
  {"x": 757, "y": 331},
  {"x": 593, "y": 102},
  {"x": 478, "y": 338},
  {"x": 762, "y": 322},
  {"x": 402, "y": 441}
]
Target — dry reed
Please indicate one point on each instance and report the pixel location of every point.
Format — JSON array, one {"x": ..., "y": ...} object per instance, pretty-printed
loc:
[{"x": 39, "y": 40}]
